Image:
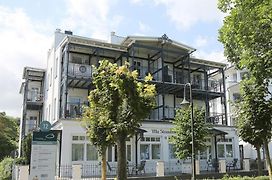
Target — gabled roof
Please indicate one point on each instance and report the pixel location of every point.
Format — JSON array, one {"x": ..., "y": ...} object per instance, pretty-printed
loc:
[
  {"x": 26, "y": 69},
  {"x": 207, "y": 62},
  {"x": 164, "y": 39}
]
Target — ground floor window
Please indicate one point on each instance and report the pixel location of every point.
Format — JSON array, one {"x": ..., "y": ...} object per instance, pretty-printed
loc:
[
  {"x": 82, "y": 150},
  {"x": 77, "y": 152},
  {"x": 150, "y": 148},
  {"x": 112, "y": 152},
  {"x": 171, "y": 149},
  {"x": 225, "y": 148}
]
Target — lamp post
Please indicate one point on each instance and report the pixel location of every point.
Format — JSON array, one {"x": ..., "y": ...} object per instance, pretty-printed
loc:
[{"x": 192, "y": 125}]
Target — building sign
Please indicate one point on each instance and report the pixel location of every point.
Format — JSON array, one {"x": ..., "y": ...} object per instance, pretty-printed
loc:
[
  {"x": 43, "y": 155},
  {"x": 161, "y": 131}
]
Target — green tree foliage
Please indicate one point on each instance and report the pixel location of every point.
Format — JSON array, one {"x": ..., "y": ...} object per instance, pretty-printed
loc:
[
  {"x": 254, "y": 114},
  {"x": 26, "y": 148},
  {"x": 247, "y": 38},
  {"x": 182, "y": 137},
  {"x": 247, "y": 35},
  {"x": 118, "y": 105},
  {"x": 8, "y": 135},
  {"x": 6, "y": 168}
]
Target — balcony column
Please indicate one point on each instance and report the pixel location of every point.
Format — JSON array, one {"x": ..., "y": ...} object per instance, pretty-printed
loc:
[
  {"x": 206, "y": 94},
  {"x": 163, "y": 79},
  {"x": 224, "y": 96},
  {"x": 65, "y": 81}
]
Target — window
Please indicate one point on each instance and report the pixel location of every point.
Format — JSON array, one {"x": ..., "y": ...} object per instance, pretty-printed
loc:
[
  {"x": 172, "y": 154},
  {"x": 236, "y": 96},
  {"x": 82, "y": 150},
  {"x": 144, "y": 151},
  {"x": 137, "y": 66},
  {"x": 50, "y": 77},
  {"x": 156, "y": 151},
  {"x": 54, "y": 108},
  {"x": 229, "y": 152},
  {"x": 225, "y": 148},
  {"x": 110, "y": 153},
  {"x": 129, "y": 152},
  {"x": 234, "y": 77},
  {"x": 244, "y": 75},
  {"x": 150, "y": 148},
  {"x": 221, "y": 150},
  {"x": 77, "y": 152},
  {"x": 56, "y": 68},
  {"x": 92, "y": 154}
]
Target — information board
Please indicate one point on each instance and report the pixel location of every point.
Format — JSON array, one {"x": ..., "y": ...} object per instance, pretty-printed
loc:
[{"x": 43, "y": 155}]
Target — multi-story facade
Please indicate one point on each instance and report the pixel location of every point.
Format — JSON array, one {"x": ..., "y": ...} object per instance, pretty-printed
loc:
[
  {"x": 32, "y": 90},
  {"x": 233, "y": 79},
  {"x": 67, "y": 84}
]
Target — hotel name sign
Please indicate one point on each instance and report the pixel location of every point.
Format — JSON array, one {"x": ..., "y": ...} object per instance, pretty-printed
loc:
[{"x": 161, "y": 131}]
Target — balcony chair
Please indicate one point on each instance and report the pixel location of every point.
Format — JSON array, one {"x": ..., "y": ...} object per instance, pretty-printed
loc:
[{"x": 232, "y": 164}]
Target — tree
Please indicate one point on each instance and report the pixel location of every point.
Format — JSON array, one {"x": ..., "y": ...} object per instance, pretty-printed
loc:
[
  {"x": 26, "y": 148},
  {"x": 118, "y": 105},
  {"x": 254, "y": 115},
  {"x": 8, "y": 135},
  {"x": 247, "y": 35},
  {"x": 182, "y": 137},
  {"x": 247, "y": 38}
]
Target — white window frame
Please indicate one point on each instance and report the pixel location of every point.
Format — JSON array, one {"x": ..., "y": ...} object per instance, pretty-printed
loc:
[{"x": 146, "y": 141}]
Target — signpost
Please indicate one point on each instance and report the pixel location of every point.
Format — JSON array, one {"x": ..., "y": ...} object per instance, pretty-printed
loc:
[{"x": 43, "y": 153}]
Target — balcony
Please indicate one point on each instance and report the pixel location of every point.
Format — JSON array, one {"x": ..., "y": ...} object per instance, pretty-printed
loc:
[
  {"x": 34, "y": 96},
  {"x": 217, "y": 118},
  {"x": 74, "y": 110},
  {"x": 169, "y": 114},
  {"x": 157, "y": 114},
  {"x": 177, "y": 77},
  {"x": 79, "y": 70}
]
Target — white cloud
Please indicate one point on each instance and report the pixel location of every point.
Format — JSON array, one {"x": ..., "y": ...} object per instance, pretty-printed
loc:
[
  {"x": 186, "y": 13},
  {"x": 22, "y": 44},
  {"x": 217, "y": 56},
  {"x": 91, "y": 18},
  {"x": 201, "y": 41},
  {"x": 144, "y": 28}
]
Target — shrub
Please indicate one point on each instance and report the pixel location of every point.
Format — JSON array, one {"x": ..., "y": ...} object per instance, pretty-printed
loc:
[
  {"x": 226, "y": 177},
  {"x": 6, "y": 168}
]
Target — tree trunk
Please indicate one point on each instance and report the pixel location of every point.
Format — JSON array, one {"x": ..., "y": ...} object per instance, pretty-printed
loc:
[
  {"x": 104, "y": 165},
  {"x": 259, "y": 161},
  {"x": 121, "y": 157},
  {"x": 268, "y": 161}
]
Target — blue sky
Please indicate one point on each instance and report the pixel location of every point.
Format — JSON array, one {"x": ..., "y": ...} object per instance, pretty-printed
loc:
[{"x": 27, "y": 26}]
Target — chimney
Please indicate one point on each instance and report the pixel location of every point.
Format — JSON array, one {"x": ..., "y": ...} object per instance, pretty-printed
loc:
[{"x": 68, "y": 32}]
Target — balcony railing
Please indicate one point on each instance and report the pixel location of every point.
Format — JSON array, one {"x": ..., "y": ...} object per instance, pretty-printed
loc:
[
  {"x": 170, "y": 112},
  {"x": 216, "y": 118},
  {"x": 79, "y": 70},
  {"x": 34, "y": 96},
  {"x": 74, "y": 110},
  {"x": 176, "y": 77}
]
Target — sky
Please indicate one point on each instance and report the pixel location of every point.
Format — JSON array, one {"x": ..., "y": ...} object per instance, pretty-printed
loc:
[{"x": 27, "y": 28}]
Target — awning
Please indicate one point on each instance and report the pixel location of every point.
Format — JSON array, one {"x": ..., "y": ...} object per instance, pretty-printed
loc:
[
  {"x": 140, "y": 131},
  {"x": 217, "y": 132}
]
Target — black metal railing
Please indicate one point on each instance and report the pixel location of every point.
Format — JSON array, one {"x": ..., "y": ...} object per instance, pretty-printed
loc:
[
  {"x": 34, "y": 96},
  {"x": 79, "y": 70},
  {"x": 75, "y": 110},
  {"x": 217, "y": 118}
]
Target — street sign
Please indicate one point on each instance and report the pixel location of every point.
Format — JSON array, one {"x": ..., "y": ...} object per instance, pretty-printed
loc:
[
  {"x": 43, "y": 155},
  {"x": 49, "y": 137},
  {"x": 45, "y": 126}
]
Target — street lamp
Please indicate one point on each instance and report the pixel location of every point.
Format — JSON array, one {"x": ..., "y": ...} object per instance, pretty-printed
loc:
[{"x": 184, "y": 102}]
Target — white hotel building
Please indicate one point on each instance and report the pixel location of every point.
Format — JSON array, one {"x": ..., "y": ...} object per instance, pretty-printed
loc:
[{"x": 57, "y": 93}]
